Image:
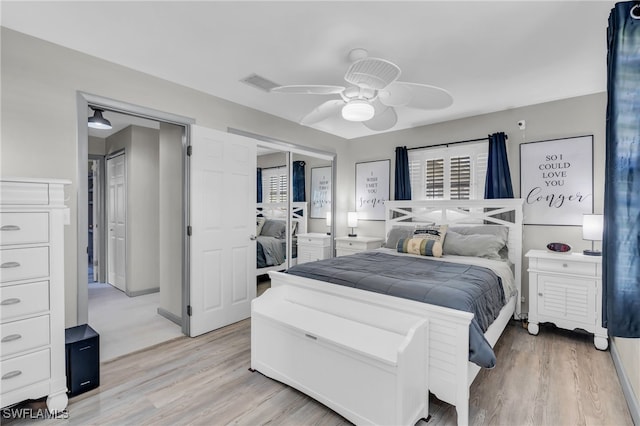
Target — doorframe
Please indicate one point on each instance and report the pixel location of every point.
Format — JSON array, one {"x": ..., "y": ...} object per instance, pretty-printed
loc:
[
  {"x": 83, "y": 100},
  {"x": 100, "y": 202}
]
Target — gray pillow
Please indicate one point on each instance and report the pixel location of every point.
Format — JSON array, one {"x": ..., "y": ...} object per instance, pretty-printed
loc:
[
  {"x": 396, "y": 234},
  {"x": 476, "y": 245},
  {"x": 274, "y": 228}
]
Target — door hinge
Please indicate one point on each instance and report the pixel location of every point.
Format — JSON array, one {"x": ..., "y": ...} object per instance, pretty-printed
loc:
[
  {"x": 189, "y": 150},
  {"x": 189, "y": 230},
  {"x": 189, "y": 310}
]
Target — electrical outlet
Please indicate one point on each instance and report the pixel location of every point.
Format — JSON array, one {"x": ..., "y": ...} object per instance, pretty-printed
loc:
[{"x": 522, "y": 299}]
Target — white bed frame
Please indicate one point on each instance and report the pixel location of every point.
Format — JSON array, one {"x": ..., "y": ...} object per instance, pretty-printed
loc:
[
  {"x": 298, "y": 215},
  {"x": 449, "y": 373}
]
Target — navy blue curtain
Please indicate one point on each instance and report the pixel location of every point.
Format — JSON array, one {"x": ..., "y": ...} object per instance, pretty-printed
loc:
[
  {"x": 402, "y": 188},
  {"x": 621, "y": 241},
  {"x": 298, "y": 181},
  {"x": 259, "y": 185},
  {"x": 498, "y": 182}
]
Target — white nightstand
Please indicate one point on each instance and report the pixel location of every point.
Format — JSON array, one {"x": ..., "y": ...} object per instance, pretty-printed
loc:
[
  {"x": 566, "y": 289},
  {"x": 313, "y": 246},
  {"x": 351, "y": 245}
]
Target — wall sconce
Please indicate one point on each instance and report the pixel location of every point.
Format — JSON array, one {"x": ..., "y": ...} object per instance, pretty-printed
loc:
[
  {"x": 352, "y": 222},
  {"x": 329, "y": 223},
  {"x": 592, "y": 225}
]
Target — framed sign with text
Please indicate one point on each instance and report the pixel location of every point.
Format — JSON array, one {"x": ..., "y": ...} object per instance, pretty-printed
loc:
[
  {"x": 372, "y": 189},
  {"x": 320, "y": 192},
  {"x": 556, "y": 180}
]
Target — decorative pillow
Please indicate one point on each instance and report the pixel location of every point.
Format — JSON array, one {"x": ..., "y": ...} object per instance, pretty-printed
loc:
[
  {"x": 435, "y": 232},
  {"x": 396, "y": 233},
  {"x": 274, "y": 228},
  {"x": 477, "y": 245},
  {"x": 421, "y": 246},
  {"x": 259, "y": 224}
]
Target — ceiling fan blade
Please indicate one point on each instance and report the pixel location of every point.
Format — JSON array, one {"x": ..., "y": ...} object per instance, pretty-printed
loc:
[
  {"x": 395, "y": 94},
  {"x": 372, "y": 73},
  {"x": 309, "y": 89},
  {"x": 384, "y": 119},
  {"x": 323, "y": 111},
  {"x": 424, "y": 96}
]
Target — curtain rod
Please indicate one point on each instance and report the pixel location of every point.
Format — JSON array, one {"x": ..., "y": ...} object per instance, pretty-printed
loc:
[
  {"x": 453, "y": 143},
  {"x": 273, "y": 167}
]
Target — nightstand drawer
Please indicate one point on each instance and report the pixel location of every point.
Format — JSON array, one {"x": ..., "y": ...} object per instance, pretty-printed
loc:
[
  {"x": 24, "y": 263},
  {"x": 24, "y": 370},
  {"x": 24, "y": 299},
  {"x": 24, "y": 228},
  {"x": 19, "y": 336},
  {"x": 314, "y": 239},
  {"x": 351, "y": 245},
  {"x": 566, "y": 266}
]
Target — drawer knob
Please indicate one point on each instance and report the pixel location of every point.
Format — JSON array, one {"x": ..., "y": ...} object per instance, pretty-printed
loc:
[
  {"x": 11, "y": 301},
  {"x": 350, "y": 244},
  {"x": 11, "y": 338},
  {"x": 11, "y": 374},
  {"x": 540, "y": 294},
  {"x": 564, "y": 265},
  {"x": 10, "y": 228},
  {"x": 10, "y": 265}
]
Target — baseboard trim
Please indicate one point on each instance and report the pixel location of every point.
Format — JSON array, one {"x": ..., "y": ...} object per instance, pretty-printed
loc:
[
  {"x": 142, "y": 292},
  {"x": 627, "y": 390},
  {"x": 170, "y": 316}
]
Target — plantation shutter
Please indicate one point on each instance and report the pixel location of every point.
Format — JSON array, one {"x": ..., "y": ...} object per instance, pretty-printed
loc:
[{"x": 274, "y": 185}]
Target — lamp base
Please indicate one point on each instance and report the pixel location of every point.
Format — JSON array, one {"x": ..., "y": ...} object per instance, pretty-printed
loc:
[
  {"x": 353, "y": 235},
  {"x": 592, "y": 253}
]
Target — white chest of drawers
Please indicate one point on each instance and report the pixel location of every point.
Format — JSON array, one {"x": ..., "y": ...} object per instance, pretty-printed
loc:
[
  {"x": 566, "y": 289},
  {"x": 32, "y": 348},
  {"x": 313, "y": 246},
  {"x": 351, "y": 245}
]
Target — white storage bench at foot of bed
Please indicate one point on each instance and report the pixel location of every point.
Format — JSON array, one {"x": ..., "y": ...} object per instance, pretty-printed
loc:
[{"x": 369, "y": 371}]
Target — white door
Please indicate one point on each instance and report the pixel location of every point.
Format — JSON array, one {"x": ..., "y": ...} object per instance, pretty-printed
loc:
[
  {"x": 222, "y": 244},
  {"x": 116, "y": 222}
]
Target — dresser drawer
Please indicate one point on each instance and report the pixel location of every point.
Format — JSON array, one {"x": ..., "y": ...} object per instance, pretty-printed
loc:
[
  {"x": 24, "y": 370},
  {"x": 24, "y": 264},
  {"x": 23, "y": 335},
  {"x": 25, "y": 193},
  {"x": 24, "y": 228},
  {"x": 566, "y": 266},
  {"x": 24, "y": 299}
]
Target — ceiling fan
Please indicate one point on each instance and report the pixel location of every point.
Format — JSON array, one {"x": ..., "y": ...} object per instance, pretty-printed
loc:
[{"x": 372, "y": 96}]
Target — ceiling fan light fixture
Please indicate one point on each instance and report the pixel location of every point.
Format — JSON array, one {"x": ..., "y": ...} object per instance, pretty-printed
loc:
[
  {"x": 358, "y": 110},
  {"x": 97, "y": 121}
]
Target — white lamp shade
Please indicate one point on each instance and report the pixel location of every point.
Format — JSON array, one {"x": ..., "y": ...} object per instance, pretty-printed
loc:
[
  {"x": 592, "y": 225},
  {"x": 358, "y": 110},
  {"x": 352, "y": 219},
  {"x": 328, "y": 218}
]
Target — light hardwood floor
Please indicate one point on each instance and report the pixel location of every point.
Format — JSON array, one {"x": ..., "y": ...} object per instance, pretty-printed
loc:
[{"x": 555, "y": 378}]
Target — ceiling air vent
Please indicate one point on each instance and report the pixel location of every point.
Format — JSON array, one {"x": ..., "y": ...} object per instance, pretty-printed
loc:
[{"x": 259, "y": 82}]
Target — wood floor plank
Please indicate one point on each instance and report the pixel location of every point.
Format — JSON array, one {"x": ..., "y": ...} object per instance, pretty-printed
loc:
[{"x": 555, "y": 378}]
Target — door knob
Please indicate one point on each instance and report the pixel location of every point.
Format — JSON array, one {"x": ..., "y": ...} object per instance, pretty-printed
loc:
[{"x": 252, "y": 237}]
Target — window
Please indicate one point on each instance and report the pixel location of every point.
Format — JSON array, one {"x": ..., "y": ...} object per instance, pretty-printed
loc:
[
  {"x": 449, "y": 173},
  {"x": 274, "y": 185}
]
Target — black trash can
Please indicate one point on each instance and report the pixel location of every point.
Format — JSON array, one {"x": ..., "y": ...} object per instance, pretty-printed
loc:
[{"x": 82, "y": 345}]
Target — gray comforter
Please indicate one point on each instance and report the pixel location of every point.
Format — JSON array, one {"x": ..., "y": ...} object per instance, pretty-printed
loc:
[
  {"x": 453, "y": 285},
  {"x": 270, "y": 251}
]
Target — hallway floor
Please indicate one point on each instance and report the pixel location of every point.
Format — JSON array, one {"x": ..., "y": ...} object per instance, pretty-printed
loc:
[{"x": 127, "y": 324}]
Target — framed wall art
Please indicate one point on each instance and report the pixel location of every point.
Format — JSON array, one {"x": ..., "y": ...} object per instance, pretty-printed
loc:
[
  {"x": 320, "y": 192},
  {"x": 372, "y": 189},
  {"x": 556, "y": 180}
]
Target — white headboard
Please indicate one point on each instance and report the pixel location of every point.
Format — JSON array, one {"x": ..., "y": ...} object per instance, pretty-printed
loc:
[
  {"x": 464, "y": 212},
  {"x": 299, "y": 213}
]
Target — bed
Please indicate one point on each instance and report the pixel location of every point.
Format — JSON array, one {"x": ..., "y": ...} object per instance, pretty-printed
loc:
[
  {"x": 449, "y": 372},
  {"x": 272, "y": 240}
]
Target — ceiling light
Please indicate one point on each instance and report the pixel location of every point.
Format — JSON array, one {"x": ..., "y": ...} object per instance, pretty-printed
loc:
[
  {"x": 98, "y": 121},
  {"x": 358, "y": 110}
]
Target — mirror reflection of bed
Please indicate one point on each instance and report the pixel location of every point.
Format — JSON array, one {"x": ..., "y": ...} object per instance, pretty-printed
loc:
[{"x": 283, "y": 208}]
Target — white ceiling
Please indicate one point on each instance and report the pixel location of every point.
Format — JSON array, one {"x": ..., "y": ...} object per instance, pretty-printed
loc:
[{"x": 490, "y": 56}]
